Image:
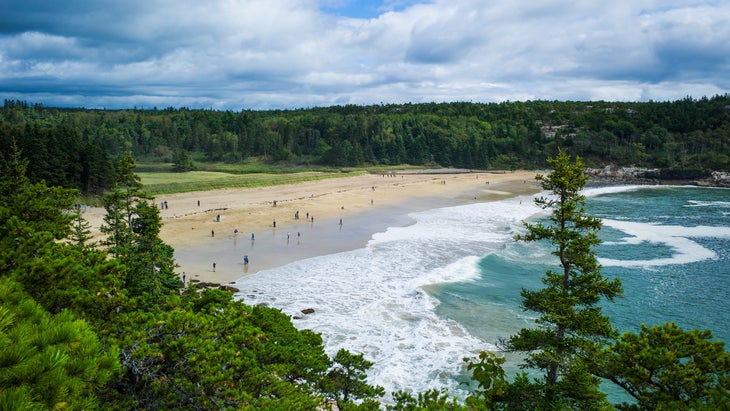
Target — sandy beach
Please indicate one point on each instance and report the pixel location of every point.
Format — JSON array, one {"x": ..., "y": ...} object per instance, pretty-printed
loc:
[{"x": 334, "y": 215}]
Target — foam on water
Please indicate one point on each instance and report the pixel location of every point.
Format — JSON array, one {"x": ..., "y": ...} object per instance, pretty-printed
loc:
[
  {"x": 372, "y": 301},
  {"x": 598, "y": 191},
  {"x": 675, "y": 237},
  {"x": 380, "y": 300}
]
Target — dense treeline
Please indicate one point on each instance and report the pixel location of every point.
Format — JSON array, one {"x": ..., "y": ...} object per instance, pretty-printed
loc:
[{"x": 73, "y": 147}]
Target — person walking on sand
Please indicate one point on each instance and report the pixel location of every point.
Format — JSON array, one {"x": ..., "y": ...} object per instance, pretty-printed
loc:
[
  {"x": 212, "y": 233},
  {"x": 274, "y": 223},
  {"x": 214, "y": 266}
]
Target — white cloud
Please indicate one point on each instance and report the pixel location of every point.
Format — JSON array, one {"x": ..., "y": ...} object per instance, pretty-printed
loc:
[{"x": 287, "y": 53}]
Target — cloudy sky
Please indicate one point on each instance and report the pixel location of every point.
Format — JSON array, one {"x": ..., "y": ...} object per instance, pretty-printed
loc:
[{"x": 261, "y": 54}]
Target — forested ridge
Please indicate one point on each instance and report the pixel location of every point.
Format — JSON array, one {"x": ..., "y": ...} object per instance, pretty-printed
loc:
[{"x": 76, "y": 147}]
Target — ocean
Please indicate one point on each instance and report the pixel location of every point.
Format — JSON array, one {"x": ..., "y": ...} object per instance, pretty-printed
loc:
[{"x": 422, "y": 296}]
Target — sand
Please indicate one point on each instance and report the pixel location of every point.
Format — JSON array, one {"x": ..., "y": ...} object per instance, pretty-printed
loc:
[{"x": 334, "y": 215}]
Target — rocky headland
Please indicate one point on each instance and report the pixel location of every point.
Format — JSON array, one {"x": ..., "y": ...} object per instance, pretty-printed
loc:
[{"x": 637, "y": 175}]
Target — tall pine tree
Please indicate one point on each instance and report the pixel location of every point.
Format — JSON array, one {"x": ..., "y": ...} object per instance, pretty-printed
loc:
[{"x": 571, "y": 326}]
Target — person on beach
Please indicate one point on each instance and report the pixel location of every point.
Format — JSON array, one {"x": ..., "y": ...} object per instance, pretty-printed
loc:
[
  {"x": 253, "y": 237},
  {"x": 235, "y": 232},
  {"x": 214, "y": 266},
  {"x": 274, "y": 223},
  {"x": 212, "y": 233},
  {"x": 340, "y": 222},
  {"x": 245, "y": 260},
  {"x": 183, "y": 277},
  {"x": 198, "y": 203}
]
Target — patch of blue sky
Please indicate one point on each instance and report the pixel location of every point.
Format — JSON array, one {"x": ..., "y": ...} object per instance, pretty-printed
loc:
[{"x": 365, "y": 9}]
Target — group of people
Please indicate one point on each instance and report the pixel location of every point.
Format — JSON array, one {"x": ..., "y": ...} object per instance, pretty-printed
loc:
[{"x": 309, "y": 218}]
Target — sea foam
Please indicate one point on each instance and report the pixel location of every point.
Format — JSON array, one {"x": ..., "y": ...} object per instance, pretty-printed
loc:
[{"x": 372, "y": 300}]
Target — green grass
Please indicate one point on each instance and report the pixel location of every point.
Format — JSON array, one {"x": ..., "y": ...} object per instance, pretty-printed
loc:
[
  {"x": 168, "y": 182},
  {"x": 158, "y": 178}
]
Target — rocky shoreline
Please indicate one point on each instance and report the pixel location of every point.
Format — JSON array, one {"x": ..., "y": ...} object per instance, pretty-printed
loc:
[{"x": 610, "y": 175}]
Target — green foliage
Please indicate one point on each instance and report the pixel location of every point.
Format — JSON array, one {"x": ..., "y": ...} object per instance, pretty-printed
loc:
[
  {"x": 133, "y": 226},
  {"x": 80, "y": 231},
  {"x": 34, "y": 208},
  {"x": 490, "y": 378},
  {"x": 48, "y": 362},
  {"x": 347, "y": 381},
  {"x": 431, "y": 400},
  {"x": 206, "y": 351},
  {"x": 571, "y": 325},
  {"x": 182, "y": 162},
  {"x": 666, "y": 368},
  {"x": 35, "y": 217}
]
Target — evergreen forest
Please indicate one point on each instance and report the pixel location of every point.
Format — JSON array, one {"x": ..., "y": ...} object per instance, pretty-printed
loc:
[{"x": 76, "y": 148}]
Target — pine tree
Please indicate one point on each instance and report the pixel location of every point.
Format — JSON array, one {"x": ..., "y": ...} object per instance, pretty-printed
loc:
[
  {"x": 133, "y": 224},
  {"x": 120, "y": 206},
  {"x": 571, "y": 326},
  {"x": 80, "y": 231},
  {"x": 667, "y": 368},
  {"x": 48, "y": 362}
]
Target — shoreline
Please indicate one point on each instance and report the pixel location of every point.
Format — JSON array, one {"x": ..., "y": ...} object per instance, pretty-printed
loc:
[{"x": 365, "y": 204}]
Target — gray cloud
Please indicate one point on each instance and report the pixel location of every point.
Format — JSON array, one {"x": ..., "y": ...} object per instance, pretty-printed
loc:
[{"x": 287, "y": 53}]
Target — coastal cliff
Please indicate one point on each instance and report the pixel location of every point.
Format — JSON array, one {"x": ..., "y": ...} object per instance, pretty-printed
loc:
[{"x": 636, "y": 175}]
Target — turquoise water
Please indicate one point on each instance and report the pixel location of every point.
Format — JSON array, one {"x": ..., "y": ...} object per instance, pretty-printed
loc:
[
  {"x": 420, "y": 298},
  {"x": 670, "y": 246}
]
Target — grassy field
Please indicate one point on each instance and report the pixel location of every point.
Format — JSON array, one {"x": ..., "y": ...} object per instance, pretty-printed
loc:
[
  {"x": 158, "y": 178},
  {"x": 168, "y": 182}
]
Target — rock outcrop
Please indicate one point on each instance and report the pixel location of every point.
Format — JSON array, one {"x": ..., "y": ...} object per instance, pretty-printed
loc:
[{"x": 638, "y": 175}]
